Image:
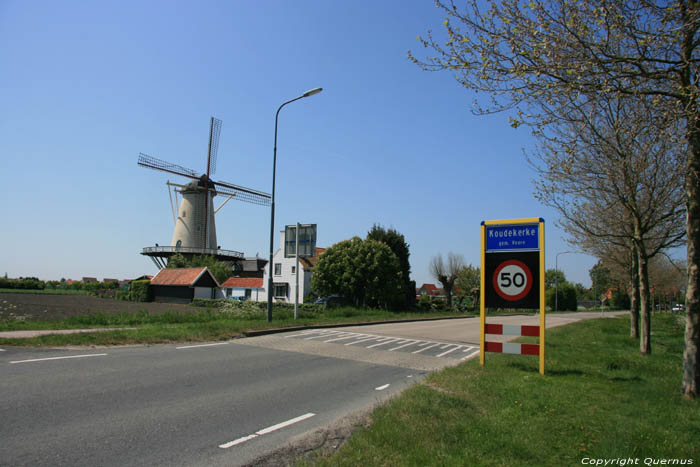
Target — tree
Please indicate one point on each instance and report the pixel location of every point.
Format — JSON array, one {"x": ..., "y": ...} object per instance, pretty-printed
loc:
[
  {"x": 447, "y": 274},
  {"x": 563, "y": 298},
  {"x": 553, "y": 277},
  {"x": 366, "y": 272},
  {"x": 526, "y": 56},
  {"x": 600, "y": 279},
  {"x": 397, "y": 243},
  {"x": 468, "y": 283}
]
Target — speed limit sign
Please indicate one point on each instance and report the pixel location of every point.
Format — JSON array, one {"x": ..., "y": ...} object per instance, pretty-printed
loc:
[{"x": 512, "y": 280}]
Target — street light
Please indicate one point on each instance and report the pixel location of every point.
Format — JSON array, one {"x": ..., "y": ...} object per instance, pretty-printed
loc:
[
  {"x": 308, "y": 93},
  {"x": 556, "y": 281}
]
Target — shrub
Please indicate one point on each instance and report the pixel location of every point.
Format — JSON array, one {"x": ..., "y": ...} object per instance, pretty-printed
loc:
[
  {"x": 424, "y": 302},
  {"x": 140, "y": 291},
  {"x": 566, "y": 300}
]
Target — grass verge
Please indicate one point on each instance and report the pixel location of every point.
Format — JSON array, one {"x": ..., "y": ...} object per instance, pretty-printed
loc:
[
  {"x": 205, "y": 325},
  {"x": 599, "y": 399}
]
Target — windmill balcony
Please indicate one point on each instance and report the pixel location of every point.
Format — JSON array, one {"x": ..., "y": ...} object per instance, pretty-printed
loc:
[{"x": 160, "y": 254}]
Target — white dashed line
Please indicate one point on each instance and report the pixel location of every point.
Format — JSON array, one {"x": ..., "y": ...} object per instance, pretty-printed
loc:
[
  {"x": 2, "y": 350},
  {"x": 381, "y": 388},
  {"x": 448, "y": 351},
  {"x": 470, "y": 355},
  {"x": 305, "y": 333},
  {"x": 374, "y": 338},
  {"x": 426, "y": 348},
  {"x": 200, "y": 345},
  {"x": 351, "y": 336},
  {"x": 321, "y": 336},
  {"x": 59, "y": 358},
  {"x": 267, "y": 430},
  {"x": 390, "y": 341},
  {"x": 402, "y": 346}
]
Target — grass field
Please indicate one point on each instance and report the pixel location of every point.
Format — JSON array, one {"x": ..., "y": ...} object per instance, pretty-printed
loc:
[
  {"x": 599, "y": 400},
  {"x": 155, "y": 323}
]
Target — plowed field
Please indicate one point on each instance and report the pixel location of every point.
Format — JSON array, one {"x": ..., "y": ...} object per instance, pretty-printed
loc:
[{"x": 46, "y": 307}]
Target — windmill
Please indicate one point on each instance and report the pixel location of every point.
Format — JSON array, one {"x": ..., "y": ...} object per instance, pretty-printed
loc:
[{"x": 195, "y": 229}]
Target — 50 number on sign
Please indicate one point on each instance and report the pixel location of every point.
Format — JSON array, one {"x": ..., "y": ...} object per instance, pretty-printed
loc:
[{"x": 514, "y": 280}]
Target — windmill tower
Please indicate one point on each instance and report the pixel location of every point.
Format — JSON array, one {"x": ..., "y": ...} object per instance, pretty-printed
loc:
[{"x": 195, "y": 228}]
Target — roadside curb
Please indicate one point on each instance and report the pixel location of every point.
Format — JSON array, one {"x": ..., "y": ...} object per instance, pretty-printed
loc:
[{"x": 263, "y": 332}]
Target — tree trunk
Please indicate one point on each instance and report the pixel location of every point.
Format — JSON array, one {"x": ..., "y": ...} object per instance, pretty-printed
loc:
[
  {"x": 645, "y": 335},
  {"x": 691, "y": 358},
  {"x": 634, "y": 298}
]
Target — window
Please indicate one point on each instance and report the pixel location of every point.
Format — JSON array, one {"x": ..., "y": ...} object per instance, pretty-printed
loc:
[
  {"x": 229, "y": 291},
  {"x": 278, "y": 269},
  {"x": 248, "y": 293},
  {"x": 281, "y": 290},
  {"x": 294, "y": 269}
]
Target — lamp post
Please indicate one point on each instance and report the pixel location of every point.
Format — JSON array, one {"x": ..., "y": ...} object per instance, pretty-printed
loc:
[
  {"x": 556, "y": 281},
  {"x": 270, "y": 265}
]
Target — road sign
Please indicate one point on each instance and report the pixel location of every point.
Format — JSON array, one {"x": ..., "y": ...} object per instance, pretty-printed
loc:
[
  {"x": 512, "y": 276},
  {"x": 307, "y": 240},
  {"x": 512, "y": 280},
  {"x": 518, "y": 237}
]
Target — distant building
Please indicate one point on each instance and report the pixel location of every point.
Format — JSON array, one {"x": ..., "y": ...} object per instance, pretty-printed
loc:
[
  {"x": 428, "y": 289},
  {"x": 184, "y": 284},
  {"x": 284, "y": 275},
  {"x": 89, "y": 279},
  {"x": 110, "y": 280},
  {"x": 247, "y": 288}
]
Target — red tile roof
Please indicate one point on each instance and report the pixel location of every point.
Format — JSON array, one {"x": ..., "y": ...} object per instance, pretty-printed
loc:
[
  {"x": 309, "y": 263},
  {"x": 181, "y": 276},
  {"x": 244, "y": 282}
]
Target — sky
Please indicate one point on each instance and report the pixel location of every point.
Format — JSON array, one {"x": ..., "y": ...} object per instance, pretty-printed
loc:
[{"x": 86, "y": 86}]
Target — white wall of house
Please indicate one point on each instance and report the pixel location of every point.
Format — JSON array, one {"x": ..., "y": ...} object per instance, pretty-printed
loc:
[
  {"x": 287, "y": 275},
  {"x": 236, "y": 292}
]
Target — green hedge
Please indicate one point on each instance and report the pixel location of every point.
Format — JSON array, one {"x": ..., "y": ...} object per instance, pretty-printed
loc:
[
  {"x": 140, "y": 291},
  {"x": 276, "y": 306}
]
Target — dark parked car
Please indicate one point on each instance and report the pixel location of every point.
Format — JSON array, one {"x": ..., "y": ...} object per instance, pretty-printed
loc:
[{"x": 332, "y": 301}]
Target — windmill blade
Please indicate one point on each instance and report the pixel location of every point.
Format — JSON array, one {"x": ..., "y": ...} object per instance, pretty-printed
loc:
[
  {"x": 243, "y": 194},
  {"x": 151, "y": 162},
  {"x": 214, "y": 132}
]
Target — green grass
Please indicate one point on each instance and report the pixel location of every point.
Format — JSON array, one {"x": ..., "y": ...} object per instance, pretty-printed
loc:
[
  {"x": 599, "y": 399},
  {"x": 47, "y": 291},
  {"x": 205, "y": 325}
]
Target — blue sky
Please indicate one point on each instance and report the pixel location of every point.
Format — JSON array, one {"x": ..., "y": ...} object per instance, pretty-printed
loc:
[{"x": 86, "y": 86}]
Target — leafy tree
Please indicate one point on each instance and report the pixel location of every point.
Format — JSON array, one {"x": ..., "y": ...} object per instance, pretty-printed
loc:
[
  {"x": 366, "y": 272},
  {"x": 563, "y": 298},
  {"x": 447, "y": 274},
  {"x": 600, "y": 278},
  {"x": 397, "y": 243},
  {"x": 530, "y": 56},
  {"x": 553, "y": 277},
  {"x": 468, "y": 283}
]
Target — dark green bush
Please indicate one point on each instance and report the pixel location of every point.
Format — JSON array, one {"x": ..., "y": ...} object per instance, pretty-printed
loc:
[
  {"x": 566, "y": 300},
  {"x": 140, "y": 291}
]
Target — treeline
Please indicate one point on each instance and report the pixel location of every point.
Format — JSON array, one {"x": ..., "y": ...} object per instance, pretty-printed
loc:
[{"x": 32, "y": 283}]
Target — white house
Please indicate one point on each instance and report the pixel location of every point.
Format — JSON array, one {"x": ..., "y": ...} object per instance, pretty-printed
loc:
[
  {"x": 247, "y": 288},
  {"x": 284, "y": 275}
]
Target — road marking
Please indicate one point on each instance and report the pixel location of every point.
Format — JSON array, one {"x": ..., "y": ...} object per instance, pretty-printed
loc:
[
  {"x": 471, "y": 354},
  {"x": 272, "y": 428},
  {"x": 267, "y": 430},
  {"x": 448, "y": 351},
  {"x": 374, "y": 338},
  {"x": 325, "y": 334},
  {"x": 426, "y": 348},
  {"x": 352, "y": 335},
  {"x": 402, "y": 346},
  {"x": 382, "y": 343},
  {"x": 237, "y": 441},
  {"x": 59, "y": 358},
  {"x": 200, "y": 345},
  {"x": 2, "y": 350},
  {"x": 381, "y": 388}
]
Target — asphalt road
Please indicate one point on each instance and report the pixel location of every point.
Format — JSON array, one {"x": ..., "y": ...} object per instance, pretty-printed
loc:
[{"x": 223, "y": 403}]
